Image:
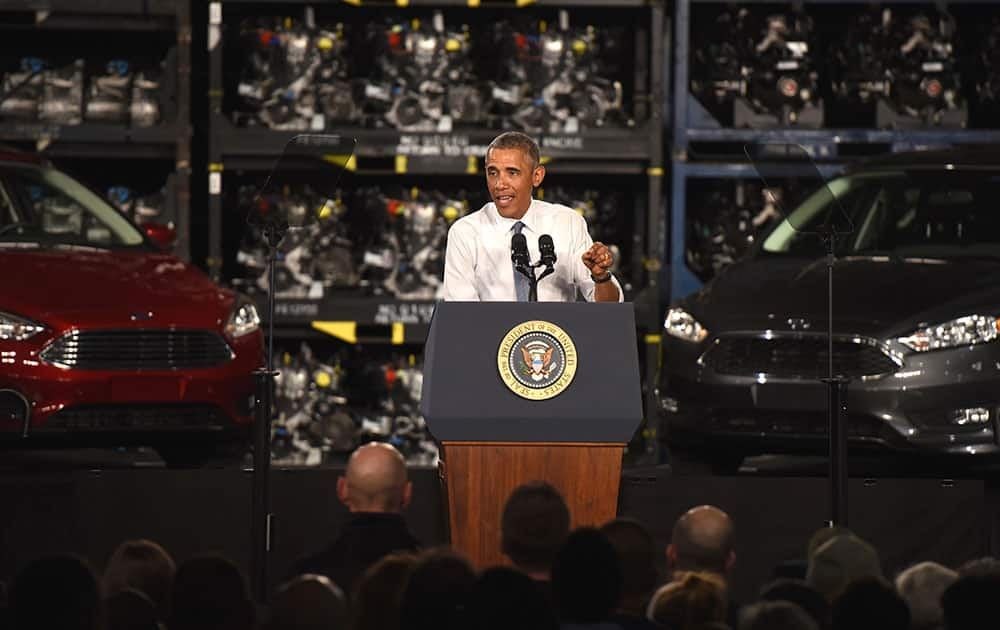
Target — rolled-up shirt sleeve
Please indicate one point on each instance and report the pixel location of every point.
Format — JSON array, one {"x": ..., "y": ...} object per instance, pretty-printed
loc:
[
  {"x": 460, "y": 264},
  {"x": 581, "y": 275}
]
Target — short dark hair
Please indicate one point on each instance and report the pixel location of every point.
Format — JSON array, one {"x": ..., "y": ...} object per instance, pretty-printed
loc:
[
  {"x": 586, "y": 578},
  {"x": 517, "y": 140},
  {"x": 56, "y": 592},
  {"x": 637, "y": 555},
  {"x": 142, "y": 565},
  {"x": 870, "y": 603},
  {"x": 210, "y": 591},
  {"x": 776, "y": 615},
  {"x": 534, "y": 524}
]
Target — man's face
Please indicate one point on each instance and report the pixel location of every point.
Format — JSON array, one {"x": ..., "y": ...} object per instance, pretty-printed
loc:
[{"x": 510, "y": 176}]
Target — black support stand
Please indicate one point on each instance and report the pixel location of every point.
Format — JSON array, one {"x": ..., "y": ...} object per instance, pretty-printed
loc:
[
  {"x": 262, "y": 520},
  {"x": 837, "y": 406}
]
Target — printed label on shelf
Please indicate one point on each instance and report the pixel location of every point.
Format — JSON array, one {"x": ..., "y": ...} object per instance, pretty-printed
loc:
[{"x": 405, "y": 313}]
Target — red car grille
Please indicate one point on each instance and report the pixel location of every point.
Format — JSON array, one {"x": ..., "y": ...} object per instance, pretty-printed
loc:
[
  {"x": 792, "y": 357},
  {"x": 136, "y": 417},
  {"x": 138, "y": 350}
]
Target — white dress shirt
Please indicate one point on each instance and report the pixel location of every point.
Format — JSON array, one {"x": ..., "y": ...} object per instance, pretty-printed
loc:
[{"x": 477, "y": 263}]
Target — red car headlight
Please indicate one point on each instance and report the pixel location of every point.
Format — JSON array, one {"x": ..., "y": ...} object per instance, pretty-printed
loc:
[
  {"x": 14, "y": 328},
  {"x": 243, "y": 320}
]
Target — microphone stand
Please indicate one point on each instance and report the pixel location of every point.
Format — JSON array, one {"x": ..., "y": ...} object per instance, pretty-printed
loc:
[
  {"x": 528, "y": 271},
  {"x": 261, "y": 516},
  {"x": 837, "y": 403}
]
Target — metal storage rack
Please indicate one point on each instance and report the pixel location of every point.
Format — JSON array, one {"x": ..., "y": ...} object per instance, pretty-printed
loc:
[
  {"x": 691, "y": 124},
  {"x": 168, "y": 141},
  {"x": 634, "y": 155}
]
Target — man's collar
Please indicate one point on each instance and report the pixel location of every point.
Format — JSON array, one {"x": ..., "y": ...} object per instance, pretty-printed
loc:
[{"x": 504, "y": 224}]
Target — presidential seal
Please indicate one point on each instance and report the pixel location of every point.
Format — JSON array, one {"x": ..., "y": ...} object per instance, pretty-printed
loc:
[{"x": 537, "y": 360}]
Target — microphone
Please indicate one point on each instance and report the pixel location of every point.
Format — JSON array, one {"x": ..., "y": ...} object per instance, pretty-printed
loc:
[
  {"x": 547, "y": 249},
  {"x": 519, "y": 251}
]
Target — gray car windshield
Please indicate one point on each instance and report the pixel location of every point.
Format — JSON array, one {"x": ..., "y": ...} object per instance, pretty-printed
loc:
[
  {"x": 901, "y": 214},
  {"x": 41, "y": 205}
]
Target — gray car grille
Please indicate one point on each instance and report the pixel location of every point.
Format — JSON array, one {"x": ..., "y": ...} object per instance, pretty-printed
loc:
[
  {"x": 138, "y": 350},
  {"x": 796, "y": 357}
]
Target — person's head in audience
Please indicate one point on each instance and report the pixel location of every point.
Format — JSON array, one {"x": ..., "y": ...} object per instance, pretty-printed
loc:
[
  {"x": 144, "y": 566},
  {"x": 870, "y": 603},
  {"x": 379, "y": 594},
  {"x": 986, "y": 565},
  {"x": 507, "y": 599},
  {"x": 375, "y": 480},
  {"x": 130, "y": 609},
  {"x": 210, "y": 593},
  {"x": 534, "y": 525},
  {"x": 586, "y": 578},
  {"x": 921, "y": 587},
  {"x": 56, "y": 593},
  {"x": 690, "y": 601},
  {"x": 703, "y": 540},
  {"x": 970, "y": 603},
  {"x": 437, "y": 593},
  {"x": 839, "y": 561},
  {"x": 802, "y": 595},
  {"x": 636, "y": 551},
  {"x": 776, "y": 615},
  {"x": 308, "y": 602}
]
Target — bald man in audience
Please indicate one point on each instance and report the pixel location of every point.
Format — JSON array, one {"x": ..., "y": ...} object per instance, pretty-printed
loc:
[
  {"x": 703, "y": 540},
  {"x": 376, "y": 490}
]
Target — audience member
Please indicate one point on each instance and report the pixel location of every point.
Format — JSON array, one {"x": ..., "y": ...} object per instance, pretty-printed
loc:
[
  {"x": 375, "y": 489},
  {"x": 534, "y": 525},
  {"x": 776, "y": 615},
  {"x": 437, "y": 593},
  {"x": 839, "y": 561},
  {"x": 210, "y": 593},
  {"x": 636, "y": 551},
  {"x": 870, "y": 603},
  {"x": 704, "y": 540},
  {"x": 130, "y": 609},
  {"x": 144, "y": 566},
  {"x": 507, "y": 599},
  {"x": 921, "y": 587},
  {"x": 986, "y": 565},
  {"x": 56, "y": 592},
  {"x": 308, "y": 602},
  {"x": 691, "y": 601},
  {"x": 378, "y": 594},
  {"x": 969, "y": 604},
  {"x": 586, "y": 578},
  {"x": 802, "y": 595}
]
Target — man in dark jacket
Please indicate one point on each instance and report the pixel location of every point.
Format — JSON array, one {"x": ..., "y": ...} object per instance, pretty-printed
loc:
[{"x": 375, "y": 489}]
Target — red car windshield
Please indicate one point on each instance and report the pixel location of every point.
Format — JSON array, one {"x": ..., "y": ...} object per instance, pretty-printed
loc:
[{"x": 40, "y": 205}]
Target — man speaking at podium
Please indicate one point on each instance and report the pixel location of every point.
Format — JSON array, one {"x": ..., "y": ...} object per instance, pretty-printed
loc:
[{"x": 485, "y": 251}]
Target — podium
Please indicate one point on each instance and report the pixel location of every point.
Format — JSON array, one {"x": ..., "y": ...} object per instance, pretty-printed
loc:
[{"x": 518, "y": 392}]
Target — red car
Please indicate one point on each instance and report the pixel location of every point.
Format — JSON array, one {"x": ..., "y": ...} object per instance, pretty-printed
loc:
[{"x": 104, "y": 337}]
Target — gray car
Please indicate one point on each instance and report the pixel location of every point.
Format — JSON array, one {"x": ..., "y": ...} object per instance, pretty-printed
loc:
[{"x": 916, "y": 321}]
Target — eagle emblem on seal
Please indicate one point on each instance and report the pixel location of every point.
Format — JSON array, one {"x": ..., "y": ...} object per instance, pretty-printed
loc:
[{"x": 538, "y": 360}]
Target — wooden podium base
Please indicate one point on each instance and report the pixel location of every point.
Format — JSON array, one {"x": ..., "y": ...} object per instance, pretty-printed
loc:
[{"x": 479, "y": 476}]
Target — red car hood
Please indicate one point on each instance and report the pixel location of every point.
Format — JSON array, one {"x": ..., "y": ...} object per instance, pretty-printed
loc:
[{"x": 96, "y": 288}]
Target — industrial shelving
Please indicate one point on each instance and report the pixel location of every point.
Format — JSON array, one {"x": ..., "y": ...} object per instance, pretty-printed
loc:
[
  {"x": 702, "y": 148},
  {"x": 166, "y": 146}
]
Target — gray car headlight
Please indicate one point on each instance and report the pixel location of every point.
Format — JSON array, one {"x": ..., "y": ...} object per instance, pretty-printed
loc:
[
  {"x": 963, "y": 331},
  {"x": 681, "y": 324},
  {"x": 243, "y": 320},
  {"x": 14, "y": 328}
]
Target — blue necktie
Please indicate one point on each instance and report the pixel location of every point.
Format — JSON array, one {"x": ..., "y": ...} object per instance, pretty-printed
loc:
[{"x": 521, "y": 283}]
